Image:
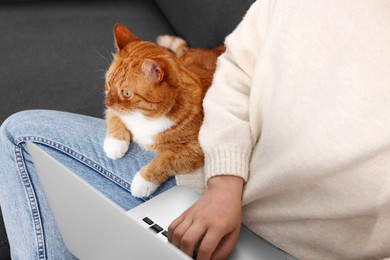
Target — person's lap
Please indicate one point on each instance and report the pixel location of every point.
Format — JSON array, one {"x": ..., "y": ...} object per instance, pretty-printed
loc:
[{"x": 77, "y": 142}]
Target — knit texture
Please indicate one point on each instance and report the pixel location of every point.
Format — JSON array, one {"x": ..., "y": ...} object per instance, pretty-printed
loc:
[{"x": 300, "y": 109}]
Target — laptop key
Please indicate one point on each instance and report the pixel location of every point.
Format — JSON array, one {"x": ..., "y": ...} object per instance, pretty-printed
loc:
[
  {"x": 156, "y": 228},
  {"x": 148, "y": 221}
]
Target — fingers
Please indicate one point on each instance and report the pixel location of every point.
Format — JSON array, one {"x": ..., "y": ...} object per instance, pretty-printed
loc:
[
  {"x": 215, "y": 243},
  {"x": 190, "y": 240},
  {"x": 215, "y": 217},
  {"x": 178, "y": 232},
  {"x": 185, "y": 234},
  {"x": 217, "y": 246},
  {"x": 208, "y": 244},
  {"x": 226, "y": 245},
  {"x": 172, "y": 227}
]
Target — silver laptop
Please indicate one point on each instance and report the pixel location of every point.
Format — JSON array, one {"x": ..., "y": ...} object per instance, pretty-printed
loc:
[{"x": 93, "y": 227}]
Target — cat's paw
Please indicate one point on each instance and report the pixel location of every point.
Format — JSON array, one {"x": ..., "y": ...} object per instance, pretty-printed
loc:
[
  {"x": 141, "y": 188},
  {"x": 164, "y": 40},
  {"x": 171, "y": 42},
  {"x": 115, "y": 148}
]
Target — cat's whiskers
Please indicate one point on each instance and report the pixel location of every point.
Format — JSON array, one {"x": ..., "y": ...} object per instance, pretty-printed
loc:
[{"x": 101, "y": 55}]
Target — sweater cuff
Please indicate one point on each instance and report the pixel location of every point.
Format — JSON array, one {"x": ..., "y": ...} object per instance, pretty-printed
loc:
[
  {"x": 227, "y": 160},
  {"x": 193, "y": 180}
]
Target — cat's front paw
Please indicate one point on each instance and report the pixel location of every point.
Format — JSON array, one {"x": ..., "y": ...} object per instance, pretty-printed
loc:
[
  {"x": 115, "y": 148},
  {"x": 141, "y": 188}
]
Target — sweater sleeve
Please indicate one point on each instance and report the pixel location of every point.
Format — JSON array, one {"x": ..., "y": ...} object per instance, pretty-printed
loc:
[{"x": 225, "y": 135}]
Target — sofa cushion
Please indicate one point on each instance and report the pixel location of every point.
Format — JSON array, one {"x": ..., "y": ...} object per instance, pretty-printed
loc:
[
  {"x": 204, "y": 23},
  {"x": 52, "y": 52}
]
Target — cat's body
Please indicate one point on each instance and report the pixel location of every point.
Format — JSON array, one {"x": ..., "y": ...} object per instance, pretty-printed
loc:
[{"x": 154, "y": 98}]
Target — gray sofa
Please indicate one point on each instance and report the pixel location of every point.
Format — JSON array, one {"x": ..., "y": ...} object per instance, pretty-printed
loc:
[{"x": 53, "y": 54}]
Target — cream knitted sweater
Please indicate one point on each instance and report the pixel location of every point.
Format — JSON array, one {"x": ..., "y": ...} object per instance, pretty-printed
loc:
[{"x": 300, "y": 108}]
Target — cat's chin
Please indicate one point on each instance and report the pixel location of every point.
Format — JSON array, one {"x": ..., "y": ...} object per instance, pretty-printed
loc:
[
  {"x": 115, "y": 148},
  {"x": 142, "y": 188}
]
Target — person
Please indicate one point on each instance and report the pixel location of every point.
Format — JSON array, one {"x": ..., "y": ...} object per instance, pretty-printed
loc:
[{"x": 296, "y": 138}]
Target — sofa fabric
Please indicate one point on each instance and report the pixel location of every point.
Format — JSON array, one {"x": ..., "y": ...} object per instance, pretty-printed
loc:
[
  {"x": 54, "y": 54},
  {"x": 204, "y": 23}
]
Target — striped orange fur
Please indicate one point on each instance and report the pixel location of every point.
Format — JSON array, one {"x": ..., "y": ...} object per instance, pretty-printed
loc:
[{"x": 154, "y": 97}]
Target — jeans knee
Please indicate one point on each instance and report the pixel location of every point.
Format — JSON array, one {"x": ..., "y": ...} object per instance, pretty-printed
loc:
[{"x": 18, "y": 124}]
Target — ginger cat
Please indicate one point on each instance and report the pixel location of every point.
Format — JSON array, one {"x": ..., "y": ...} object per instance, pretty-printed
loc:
[{"x": 154, "y": 98}]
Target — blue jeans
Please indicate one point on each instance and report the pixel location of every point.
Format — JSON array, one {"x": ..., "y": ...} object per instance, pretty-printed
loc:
[{"x": 77, "y": 142}]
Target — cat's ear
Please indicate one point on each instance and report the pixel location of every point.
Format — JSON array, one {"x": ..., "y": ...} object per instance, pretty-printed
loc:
[
  {"x": 123, "y": 36},
  {"x": 153, "y": 70}
]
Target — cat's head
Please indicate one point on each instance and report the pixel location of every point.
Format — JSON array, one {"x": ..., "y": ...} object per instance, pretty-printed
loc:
[{"x": 140, "y": 76}]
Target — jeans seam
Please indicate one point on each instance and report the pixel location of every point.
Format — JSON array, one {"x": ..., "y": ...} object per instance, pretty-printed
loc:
[
  {"x": 77, "y": 156},
  {"x": 27, "y": 184},
  {"x": 33, "y": 203}
]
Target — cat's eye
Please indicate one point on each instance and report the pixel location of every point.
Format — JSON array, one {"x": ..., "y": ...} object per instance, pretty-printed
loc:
[{"x": 126, "y": 93}]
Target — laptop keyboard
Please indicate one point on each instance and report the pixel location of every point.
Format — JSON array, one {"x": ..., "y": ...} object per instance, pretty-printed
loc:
[
  {"x": 155, "y": 227},
  {"x": 158, "y": 230}
]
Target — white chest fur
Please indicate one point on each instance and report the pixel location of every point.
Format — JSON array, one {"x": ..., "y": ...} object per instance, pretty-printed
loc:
[{"x": 144, "y": 129}]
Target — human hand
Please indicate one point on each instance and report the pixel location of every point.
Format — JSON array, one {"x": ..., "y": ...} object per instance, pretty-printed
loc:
[{"x": 214, "y": 220}]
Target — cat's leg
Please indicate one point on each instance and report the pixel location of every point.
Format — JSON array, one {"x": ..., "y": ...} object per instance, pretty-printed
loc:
[
  {"x": 117, "y": 139},
  {"x": 177, "y": 160},
  {"x": 173, "y": 43}
]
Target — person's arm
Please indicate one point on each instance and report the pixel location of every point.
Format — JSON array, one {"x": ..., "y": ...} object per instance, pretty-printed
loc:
[{"x": 226, "y": 140}]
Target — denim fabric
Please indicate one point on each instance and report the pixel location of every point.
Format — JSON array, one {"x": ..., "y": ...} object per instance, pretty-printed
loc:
[{"x": 77, "y": 142}]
